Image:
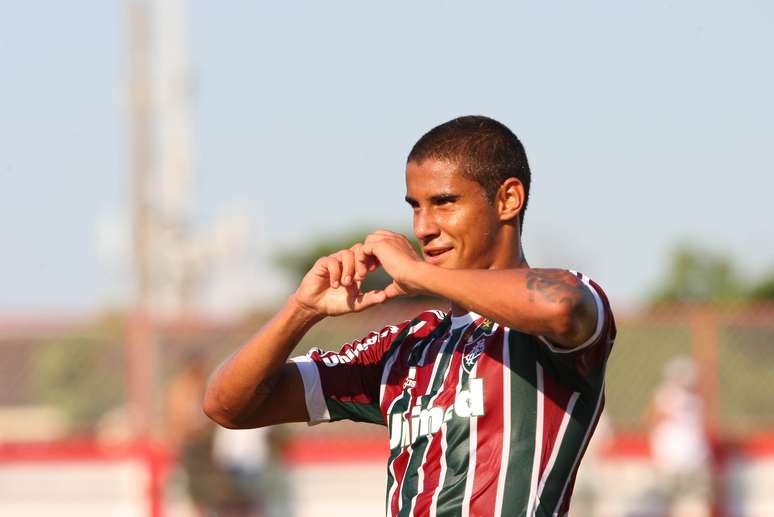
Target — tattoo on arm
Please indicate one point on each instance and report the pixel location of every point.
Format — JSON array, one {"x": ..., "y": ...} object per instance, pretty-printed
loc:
[
  {"x": 266, "y": 387},
  {"x": 564, "y": 288},
  {"x": 553, "y": 286}
]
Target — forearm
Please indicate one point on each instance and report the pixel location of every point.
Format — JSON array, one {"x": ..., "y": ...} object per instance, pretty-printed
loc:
[
  {"x": 535, "y": 301},
  {"x": 242, "y": 383}
]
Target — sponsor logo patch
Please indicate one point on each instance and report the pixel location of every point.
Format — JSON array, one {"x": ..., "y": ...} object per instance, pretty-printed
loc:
[
  {"x": 407, "y": 428},
  {"x": 352, "y": 351}
]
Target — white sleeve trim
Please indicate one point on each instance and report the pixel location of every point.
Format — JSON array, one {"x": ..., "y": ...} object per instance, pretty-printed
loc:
[
  {"x": 597, "y": 331},
  {"x": 313, "y": 393}
]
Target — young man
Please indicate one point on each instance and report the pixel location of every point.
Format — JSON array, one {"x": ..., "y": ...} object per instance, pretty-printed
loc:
[{"x": 490, "y": 405}]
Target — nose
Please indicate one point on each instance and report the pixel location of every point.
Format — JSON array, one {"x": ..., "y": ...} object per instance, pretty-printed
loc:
[{"x": 425, "y": 226}]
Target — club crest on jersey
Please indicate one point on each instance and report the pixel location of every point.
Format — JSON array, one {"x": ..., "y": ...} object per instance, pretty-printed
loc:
[
  {"x": 471, "y": 353},
  {"x": 487, "y": 326}
]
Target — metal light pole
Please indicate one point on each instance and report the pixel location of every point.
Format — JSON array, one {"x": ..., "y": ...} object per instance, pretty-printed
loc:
[{"x": 140, "y": 336}]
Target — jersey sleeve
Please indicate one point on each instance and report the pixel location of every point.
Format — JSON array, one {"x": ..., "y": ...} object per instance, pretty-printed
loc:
[
  {"x": 587, "y": 358},
  {"x": 346, "y": 384}
]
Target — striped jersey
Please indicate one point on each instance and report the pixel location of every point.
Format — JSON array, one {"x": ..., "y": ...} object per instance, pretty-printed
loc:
[{"x": 483, "y": 420}]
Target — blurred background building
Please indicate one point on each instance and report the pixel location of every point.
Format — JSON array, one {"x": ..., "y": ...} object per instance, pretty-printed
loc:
[{"x": 170, "y": 169}]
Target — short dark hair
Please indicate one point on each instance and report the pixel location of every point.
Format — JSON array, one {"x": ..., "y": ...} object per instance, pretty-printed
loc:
[{"x": 483, "y": 149}]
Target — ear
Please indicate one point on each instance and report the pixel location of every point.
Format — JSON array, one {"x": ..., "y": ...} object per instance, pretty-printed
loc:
[{"x": 510, "y": 199}]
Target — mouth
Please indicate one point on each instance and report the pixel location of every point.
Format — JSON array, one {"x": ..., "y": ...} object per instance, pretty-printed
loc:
[{"x": 435, "y": 255}]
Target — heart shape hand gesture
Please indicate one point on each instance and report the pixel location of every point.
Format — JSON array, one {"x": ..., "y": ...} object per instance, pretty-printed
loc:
[{"x": 332, "y": 285}]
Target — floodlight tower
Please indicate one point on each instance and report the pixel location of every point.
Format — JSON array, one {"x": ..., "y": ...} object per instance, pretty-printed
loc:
[
  {"x": 177, "y": 274},
  {"x": 160, "y": 168},
  {"x": 170, "y": 261}
]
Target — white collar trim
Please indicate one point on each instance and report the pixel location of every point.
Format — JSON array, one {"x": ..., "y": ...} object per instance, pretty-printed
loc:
[{"x": 465, "y": 319}]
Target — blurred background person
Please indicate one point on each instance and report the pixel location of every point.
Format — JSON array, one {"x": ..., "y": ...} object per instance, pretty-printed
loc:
[
  {"x": 679, "y": 444},
  {"x": 242, "y": 455},
  {"x": 189, "y": 434},
  {"x": 251, "y": 460}
]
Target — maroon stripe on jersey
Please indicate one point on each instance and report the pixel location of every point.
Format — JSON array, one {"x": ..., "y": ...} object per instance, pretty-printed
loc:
[
  {"x": 393, "y": 388},
  {"x": 555, "y": 400},
  {"x": 399, "y": 368},
  {"x": 432, "y": 463},
  {"x": 398, "y": 467},
  {"x": 489, "y": 438},
  {"x": 346, "y": 375}
]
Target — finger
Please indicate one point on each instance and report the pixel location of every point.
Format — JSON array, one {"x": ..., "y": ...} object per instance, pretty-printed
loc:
[
  {"x": 321, "y": 266},
  {"x": 369, "y": 247},
  {"x": 371, "y": 260},
  {"x": 347, "y": 259},
  {"x": 393, "y": 291},
  {"x": 361, "y": 261},
  {"x": 369, "y": 299},
  {"x": 372, "y": 263},
  {"x": 373, "y": 237},
  {"x": 334, "y": 271},
  {"x": 386, "y": 234}
]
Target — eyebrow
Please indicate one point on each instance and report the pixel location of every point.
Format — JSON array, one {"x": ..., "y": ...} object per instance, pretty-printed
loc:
[
  {"x": 438, "y": 198},
  {"x": 444, "y": 197}
]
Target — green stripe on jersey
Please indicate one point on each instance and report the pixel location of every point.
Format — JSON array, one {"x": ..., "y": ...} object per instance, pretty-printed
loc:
[
  {"x": 341, "y": 410},
  {"x": 523, "y": 415}
]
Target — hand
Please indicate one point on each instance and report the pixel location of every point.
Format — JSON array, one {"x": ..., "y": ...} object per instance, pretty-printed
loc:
[
  {"x": 397, "y": 256},
  {"x": 332, "y": 286}
]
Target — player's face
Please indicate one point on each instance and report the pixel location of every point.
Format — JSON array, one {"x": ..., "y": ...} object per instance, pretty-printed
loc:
[{"x": 454, "y": 222}]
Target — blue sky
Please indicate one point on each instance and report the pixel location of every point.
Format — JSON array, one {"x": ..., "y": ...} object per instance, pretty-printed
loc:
[{"x": 646, "y": 124}]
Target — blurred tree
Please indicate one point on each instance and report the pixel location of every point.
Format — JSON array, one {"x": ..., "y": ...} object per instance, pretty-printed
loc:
[
  {"x": 697, "y": 275},
  {"x": 763, "y": 289},
  {"x": 81, "y": 374},
  {"x": 298, "y": 262}
]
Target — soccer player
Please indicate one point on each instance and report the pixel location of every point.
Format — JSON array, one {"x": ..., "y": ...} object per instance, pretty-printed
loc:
[{"x": 490, "y": 405}]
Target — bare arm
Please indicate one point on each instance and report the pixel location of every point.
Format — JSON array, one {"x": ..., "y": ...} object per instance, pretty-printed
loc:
[
  {"x": 550, "y": 302},
  {"x": 255, "y": 386}
]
